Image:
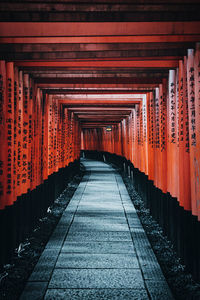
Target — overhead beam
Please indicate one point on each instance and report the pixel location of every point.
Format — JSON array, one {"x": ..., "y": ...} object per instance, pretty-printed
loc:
[
  {"x": 90, "y": 54},
  {"x": 101, "y": 16},
  {"x": 97, "y": 125},
  {"x": 84, "y": 47},
  {"x": 108, "y": 103},
  {"x": 98, "y": 80},
  {"x": 101, "y": 118},
  {"x": 99, "y": 109},
  {"x": 61, "y": 6},
  {"x": 87, "y": 76},
  {"x": 103, "y": 63},
  {"x": 91, "y": 115},
  {"x": 132, "y": 86},
  {"x": 78, "y": 29},
  {"x": 64, "y": 92},
  {"x": 102, "y": 39}
]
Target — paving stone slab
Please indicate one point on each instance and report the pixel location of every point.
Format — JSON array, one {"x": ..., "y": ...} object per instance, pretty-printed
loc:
[
  {"x": 109, "y": 193},
  {"x": 45, "y": 265},
  {"x": 148, "y": 261},
  {"x": 98, "y": 247},
  {"x": 134, "y": 223},
  {"x": 96, "y": 278},
  {"x": 58, "y": 236},
  {"x": 97, "y": 294},
  {"x": 105, "y": 214},
  {"x": 129, "y": 208},
  {"x": 96, "y": 220},
  {"x": 34, "y": 291},
  {"x": 65, "y": 220},
  {"x": 99, "y": 236},
  {"x": 95, "y": 261},
  {"x": 99, "y": 203},
  {"x": 101, "y": 210},
  {"x": 132, "y": 215},
  {"x": 99, "y": 227}
]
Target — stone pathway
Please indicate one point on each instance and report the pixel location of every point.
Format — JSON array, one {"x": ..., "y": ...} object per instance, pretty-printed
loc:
[{"x": 99, "y": 249}]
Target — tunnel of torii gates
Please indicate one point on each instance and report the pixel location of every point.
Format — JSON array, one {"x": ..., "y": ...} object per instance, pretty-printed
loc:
[{"x": 130, "y": 91}]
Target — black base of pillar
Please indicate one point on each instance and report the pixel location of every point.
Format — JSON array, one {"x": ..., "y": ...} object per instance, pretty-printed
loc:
[{"x": 18, "y": 220}]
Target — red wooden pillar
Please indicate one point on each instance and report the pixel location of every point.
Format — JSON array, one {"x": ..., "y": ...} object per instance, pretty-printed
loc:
[
  {"x": 55, "y": 135},
  {"x": 20, "y": 135},
  {"x": 123, "y": 138},
  {"x": 120, "y": 138},
  {"x": 171, "y": 147},
  {"x": 87, "y": 135},
  {"x": 112, "y": 136},
  {"x": 148, "y": 129},
  {"x": 70, "y": 137},
  {"x": 151, "y": 143},
  {"x": 50, "y": 137},
  {"x": 184, "y": 157},
  {"x": 79, "y": 137},
  {"x": 10, "y": 197},
  {"x": 16, "y": 111},
  {"x": 75, "y": 137},
  {"x": 74, "y": 142},
  {"x": 25, "y": 134},
  {"x": 78, "y": 140},
  {"x": 59, "y": 148},
  {"x": 137, "y": 126},
  {"x": 112, "y": 139},
  {"x": 65, "y": 137},
  {"x": 105, "y": 138},
  {"x": 145, "y": 152},
  {"x": 45, "y": 138},
  {"x": 197, "y": 110},
  {"x": 3, "y": 136},
  {"x": 134, "y": 136},
  {"x": 192, "y": 131},
  {"x": 31, "y": 135},
  {"x": 163, "y": 135},
  {"x": 34, "y": 147},
  {"x": 38, "y": 135},
  {"x": 176, "y": 158},
  {"x": 156, "y": 139},
  {"x": 127, "y": 138},
  {"x": 141, "y": 145},
  {"x": 62, "y": 134},
  {"x": 131, "y": 135},
  {"x": 82, "y": 141}
]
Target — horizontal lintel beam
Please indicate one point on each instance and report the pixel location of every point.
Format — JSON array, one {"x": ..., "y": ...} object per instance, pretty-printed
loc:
[
  {"x": 102, "y": 39},
  {"x": 78, "y": 29}
]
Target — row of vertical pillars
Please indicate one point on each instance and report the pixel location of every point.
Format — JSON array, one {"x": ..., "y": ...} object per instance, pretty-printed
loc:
[{"x": 18, "y": 220}]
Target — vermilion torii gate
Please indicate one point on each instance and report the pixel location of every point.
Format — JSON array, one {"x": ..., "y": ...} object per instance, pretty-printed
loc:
[{"x": 68, "y": 70}]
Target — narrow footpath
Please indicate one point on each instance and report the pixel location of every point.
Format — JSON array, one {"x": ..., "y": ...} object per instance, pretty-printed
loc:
[{"x": 99, "y": 249}]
